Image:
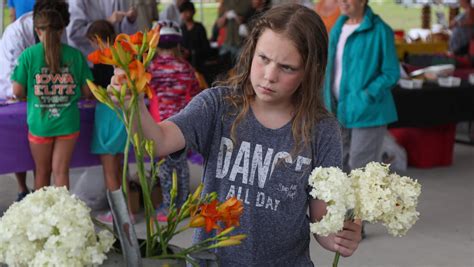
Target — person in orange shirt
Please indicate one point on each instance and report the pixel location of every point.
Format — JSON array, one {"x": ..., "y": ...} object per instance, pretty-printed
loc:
[{"x": 329, "y": 11}]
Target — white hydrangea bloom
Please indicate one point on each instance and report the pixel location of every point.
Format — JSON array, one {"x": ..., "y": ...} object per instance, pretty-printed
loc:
[
  {"x": 51, "y": 228},
  {"x": 333, "y": 187},
  {"x": 386, "y": 198},
  {"x": 405, "y": 215},
  {"x": 372, "y": 192}
]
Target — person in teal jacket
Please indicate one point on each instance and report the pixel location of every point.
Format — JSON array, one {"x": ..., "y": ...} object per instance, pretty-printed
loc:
[{"x": 362, "y": 69}]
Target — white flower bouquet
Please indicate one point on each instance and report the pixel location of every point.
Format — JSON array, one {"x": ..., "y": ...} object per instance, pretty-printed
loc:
[
  {"x": 371, "y": 194},
  {"x": 50, "y": 227}
]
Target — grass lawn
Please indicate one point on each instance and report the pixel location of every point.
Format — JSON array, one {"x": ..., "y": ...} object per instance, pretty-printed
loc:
[{"x": 397, "y": 16}]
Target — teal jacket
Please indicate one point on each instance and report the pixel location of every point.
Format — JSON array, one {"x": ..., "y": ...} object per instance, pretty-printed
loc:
[{"x": 370, "y": 69}]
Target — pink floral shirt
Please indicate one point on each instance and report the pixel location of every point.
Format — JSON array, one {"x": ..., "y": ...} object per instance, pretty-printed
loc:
[{"x": 173, "y": 83}]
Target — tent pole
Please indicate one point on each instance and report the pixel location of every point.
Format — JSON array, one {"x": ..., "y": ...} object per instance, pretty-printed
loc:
[
  {"x": 202, "y": 11},
  {"x": 2, "y": 5}
]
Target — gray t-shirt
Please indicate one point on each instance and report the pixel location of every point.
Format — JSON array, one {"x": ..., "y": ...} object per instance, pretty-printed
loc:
[{"x": 262, "y": 170}]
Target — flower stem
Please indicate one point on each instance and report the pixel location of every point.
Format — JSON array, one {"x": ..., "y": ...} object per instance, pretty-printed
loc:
[{"x": 335, "y": 262}]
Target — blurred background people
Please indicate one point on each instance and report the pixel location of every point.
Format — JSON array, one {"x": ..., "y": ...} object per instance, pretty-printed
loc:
[
  {"x": 52, "y": 112},
  {"x": 232, "y": 13},
  {"x": 195, "y": 45},
  {"x": 18, "y": 36},
  {"x": 147, "y": 12},
  {"x": 171, "y": 12},
  {"x": 17, "y": 8},
  {"x": 173, "y": 84},
  {"x": 329, "y": 12},
  {"x": 109, "y": 135},
  {"x": 83, "y": 12},
  {"x": 362, "y": 69},
  {"x": 258, "y": 8},
  {"x": 462, "y": 29}
]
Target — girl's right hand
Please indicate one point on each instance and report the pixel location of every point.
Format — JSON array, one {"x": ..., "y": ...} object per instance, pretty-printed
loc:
[{"x": 118, "y": 79}]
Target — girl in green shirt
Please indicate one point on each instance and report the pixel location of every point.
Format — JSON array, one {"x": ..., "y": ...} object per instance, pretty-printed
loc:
[{"x": 52, "y": 76}]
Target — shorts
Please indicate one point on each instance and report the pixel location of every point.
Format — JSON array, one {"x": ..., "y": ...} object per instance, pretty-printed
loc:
[{"x": 40, "y": 140}]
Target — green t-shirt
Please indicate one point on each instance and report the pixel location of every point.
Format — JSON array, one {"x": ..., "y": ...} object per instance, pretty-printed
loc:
[{"x": 52, "y": 98}]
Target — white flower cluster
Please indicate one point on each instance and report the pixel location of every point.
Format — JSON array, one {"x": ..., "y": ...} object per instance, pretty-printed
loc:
[
  {"x": 379, "y": 197},
  {"x": 51, "y": 228},
  {"x": 332, "y": 186},
  {"x": 386, "y": 198}
]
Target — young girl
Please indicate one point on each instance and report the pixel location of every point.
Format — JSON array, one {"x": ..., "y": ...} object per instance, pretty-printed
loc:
[
  {"x": 109, "y": 135},
  {"x": 261, "y": 135},
  {"x": 173, "y": 83},
  {"x": 51, "y": 75}
]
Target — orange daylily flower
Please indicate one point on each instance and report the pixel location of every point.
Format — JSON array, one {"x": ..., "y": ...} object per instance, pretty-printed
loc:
[
  {"x": 138, "y": 75},
  {"x": 102, "y": 56},
  {"x": 230, "y": 211},
  {"x": 210, "y": 214},
  {"x": 197, "y": 221},
  {"x": 126, "y": 43},
  {"x": 137, "y": 38},
  {"x": 153, "y": 36}
]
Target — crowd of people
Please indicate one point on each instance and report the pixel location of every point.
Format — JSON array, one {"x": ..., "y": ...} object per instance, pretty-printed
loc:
[{"x": 302, "y": 87}]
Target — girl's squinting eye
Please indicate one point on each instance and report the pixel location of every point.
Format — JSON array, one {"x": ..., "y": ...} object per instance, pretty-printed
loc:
[
  {"x": 263, "y": 58},
  {"x": 287, "y": 68}
]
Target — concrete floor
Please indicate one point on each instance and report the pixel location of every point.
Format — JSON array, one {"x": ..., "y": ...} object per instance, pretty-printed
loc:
[{"x": 443, "y": 236}]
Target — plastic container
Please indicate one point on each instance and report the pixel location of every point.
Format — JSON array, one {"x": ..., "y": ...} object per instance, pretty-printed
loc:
[
  {"x": 471, "y": 78},
  {"x": 427, "y": 147},
  {"x": 449, "y": 81},
  {"x": 411, "y": 84}
]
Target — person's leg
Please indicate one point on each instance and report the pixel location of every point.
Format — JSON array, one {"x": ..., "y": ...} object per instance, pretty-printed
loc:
[
  {"x": 42, "y": 156},
  {"x": 62, "y": 154},
  {"x": 165, "y": 175},
  {"x": 366, "y": 146},
  {"x": 22, "y": 187},
  {"x": 346, "y": 146},
  {"x": 111, "y": 168},
  {"x": 21, "y": 181}
]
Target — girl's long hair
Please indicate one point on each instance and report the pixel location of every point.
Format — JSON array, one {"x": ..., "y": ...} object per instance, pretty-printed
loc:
[
  {"x": 306, "y": 30},
  {"x": 51, "y": 16}
]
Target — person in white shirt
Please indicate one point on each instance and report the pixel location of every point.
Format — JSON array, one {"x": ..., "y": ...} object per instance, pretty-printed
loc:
[
  {"x": 84, "y": 12},
  {"x": 147, "y": 12},
  {"x": 171, "y": 12},
  {"x": 18, "y": 36}
]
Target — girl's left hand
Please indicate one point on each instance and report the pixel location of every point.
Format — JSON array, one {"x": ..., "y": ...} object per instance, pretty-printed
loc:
[{"x": 347, "y": 240}]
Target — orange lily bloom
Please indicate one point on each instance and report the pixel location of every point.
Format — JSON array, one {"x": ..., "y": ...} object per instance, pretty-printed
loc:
[
  {"x": 153, "y": 36},
  {"x": 210, "y": 214},
  {"x": 197, "y": 221},
  {"x": 139, "y": 76},
  {"x": 137, "y": 38},
  {"x": 126, "y": 42},
  {"x": 230, "y": 211},
  {"x": 102, "y": 56}
]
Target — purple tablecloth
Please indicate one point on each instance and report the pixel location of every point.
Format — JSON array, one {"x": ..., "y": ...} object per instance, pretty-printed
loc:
[{"x": 15, "y": 155}]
